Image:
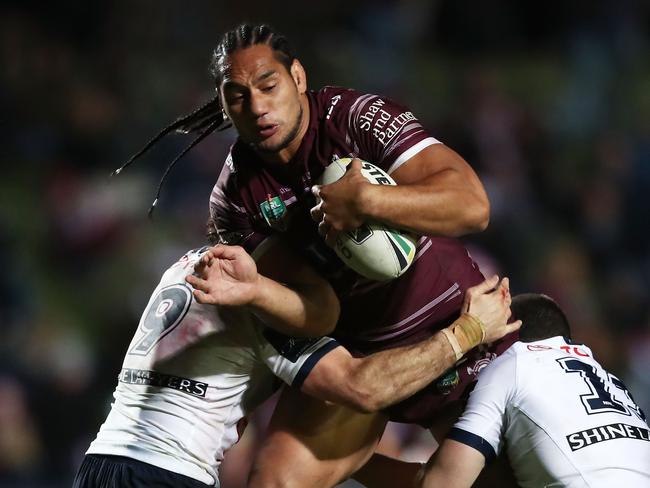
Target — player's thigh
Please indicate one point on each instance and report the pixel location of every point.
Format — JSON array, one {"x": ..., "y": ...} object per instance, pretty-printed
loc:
[{"x": 312, "y": 443}]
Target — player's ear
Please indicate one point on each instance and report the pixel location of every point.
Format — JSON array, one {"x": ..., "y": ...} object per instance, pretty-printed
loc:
[{"x": 299, "y": 76}]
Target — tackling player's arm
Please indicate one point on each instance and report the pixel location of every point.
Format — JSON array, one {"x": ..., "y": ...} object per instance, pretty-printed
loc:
[
  {"x": 381, "y": 379},
  {"x": 476, "y": 438},
  {"x": 454, "y": 465},
  {"x": 437, "y": 193},
  {"x": 296, "y": 302}
]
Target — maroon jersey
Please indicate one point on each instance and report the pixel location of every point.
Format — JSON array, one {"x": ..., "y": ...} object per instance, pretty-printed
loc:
[{"x": 253, "y": 201}]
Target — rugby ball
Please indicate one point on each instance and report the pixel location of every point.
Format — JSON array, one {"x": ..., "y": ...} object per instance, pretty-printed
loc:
[{"x": 373, "y": 250}]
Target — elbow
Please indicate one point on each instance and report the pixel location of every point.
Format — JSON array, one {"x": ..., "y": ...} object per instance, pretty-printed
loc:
[
  {"x": 322, "y": 314},
  {"x": 331, "y": 317},
  {"x": 483, "y": 217},
  {"x": 363, "y": 403},
  {"x": 478, "y": 214}
]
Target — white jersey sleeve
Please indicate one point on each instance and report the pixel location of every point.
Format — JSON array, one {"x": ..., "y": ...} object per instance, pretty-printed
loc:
[
  {"x": 482, "y": 424},
  {"x": 292, "y": 359},
  {"x": 190, "y": 374},
  {"x": 564, "y": 420}
]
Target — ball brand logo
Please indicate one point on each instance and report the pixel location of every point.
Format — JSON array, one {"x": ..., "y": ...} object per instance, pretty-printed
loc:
[
  {"x": 376, "y": 173},
  {"x": 274, "y": 211}
]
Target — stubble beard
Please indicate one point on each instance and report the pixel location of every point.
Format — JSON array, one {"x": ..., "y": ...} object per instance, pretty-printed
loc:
[{"x": 288, "y": 139}]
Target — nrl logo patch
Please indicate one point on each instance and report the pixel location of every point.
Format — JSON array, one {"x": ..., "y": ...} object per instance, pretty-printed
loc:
[
  {"x": 274, "y": 212},
  {"x": 448, "y": 382}
]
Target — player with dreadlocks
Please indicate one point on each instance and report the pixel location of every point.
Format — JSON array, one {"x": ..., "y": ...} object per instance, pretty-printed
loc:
[
  {"x": 264, "y": 201},
  {"x": 210, "y": 117}
]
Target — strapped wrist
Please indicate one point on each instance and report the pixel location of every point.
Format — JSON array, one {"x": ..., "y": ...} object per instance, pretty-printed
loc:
[{"x": 467, "y": 332}]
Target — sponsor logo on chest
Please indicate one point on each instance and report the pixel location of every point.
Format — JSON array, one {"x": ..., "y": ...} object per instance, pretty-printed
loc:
[{"x": 383, "y": 124}]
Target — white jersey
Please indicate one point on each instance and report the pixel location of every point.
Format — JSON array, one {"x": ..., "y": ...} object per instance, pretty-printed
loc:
[
  {"x": 191, "y": 372},
  {"x": 565, "y": 421}
]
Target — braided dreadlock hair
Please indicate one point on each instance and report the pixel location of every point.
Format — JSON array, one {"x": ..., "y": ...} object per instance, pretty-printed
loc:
[{"x": 210, "y": 116}]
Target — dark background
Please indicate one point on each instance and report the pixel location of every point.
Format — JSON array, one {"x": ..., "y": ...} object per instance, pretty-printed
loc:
[{"x": 548, "y": 101}]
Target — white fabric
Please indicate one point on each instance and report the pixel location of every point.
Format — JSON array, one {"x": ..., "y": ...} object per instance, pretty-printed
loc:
[
  {"x": 216, "y": 367},
  {"x": 536, "y": 398},
  {"x": 412, "y": 151}
]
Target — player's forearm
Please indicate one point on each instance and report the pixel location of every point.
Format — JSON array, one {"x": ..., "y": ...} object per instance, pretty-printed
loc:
[
  {"x": 305, "y": 310},
  {"x": 445, "y": 203},
  {"x": 453, "y": 465},
  {"x": 387, "y": 377}
]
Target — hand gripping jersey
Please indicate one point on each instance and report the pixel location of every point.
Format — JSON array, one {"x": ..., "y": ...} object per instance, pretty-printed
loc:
[
  {"x": 565, "y": 421},
  {"x": 253, "y": 201},
  {"x": 191, "y": 372}
]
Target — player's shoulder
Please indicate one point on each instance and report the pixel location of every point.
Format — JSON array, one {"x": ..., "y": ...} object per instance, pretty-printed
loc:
[
  {"x": 330, "y": 95},
  {"x": 505, "y": 360},
  {"x": 335, "y": 102},
  {"x": 237, "y": 170},
  {"x": 232, "y": 165}
]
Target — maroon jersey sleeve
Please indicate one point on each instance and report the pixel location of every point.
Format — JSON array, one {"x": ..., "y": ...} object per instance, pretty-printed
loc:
[
  {"x": 228, "y": 212},
  {"x": 382, "y": 131}
]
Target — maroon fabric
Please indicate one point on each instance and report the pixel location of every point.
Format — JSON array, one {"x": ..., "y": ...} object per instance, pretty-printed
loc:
[
  {"x": 345, "y": 123},
  {"x": 453, "y": 386}
]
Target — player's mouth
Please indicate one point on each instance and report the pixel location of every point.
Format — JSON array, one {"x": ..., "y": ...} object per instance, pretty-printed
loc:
[{"x": 266, "y": 131}]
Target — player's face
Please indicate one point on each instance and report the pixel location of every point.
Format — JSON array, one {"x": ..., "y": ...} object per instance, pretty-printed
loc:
[{"x": 263, "y": 99}]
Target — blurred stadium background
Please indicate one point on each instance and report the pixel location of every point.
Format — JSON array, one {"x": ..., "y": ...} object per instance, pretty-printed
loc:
[{"x": 549, "y": 101}]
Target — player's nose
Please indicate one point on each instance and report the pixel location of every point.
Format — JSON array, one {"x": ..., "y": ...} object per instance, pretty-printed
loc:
[{"x": 258, "y": 105}]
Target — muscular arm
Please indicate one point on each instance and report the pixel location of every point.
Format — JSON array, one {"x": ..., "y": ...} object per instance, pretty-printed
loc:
[
  {"x": 297, "y": 302},
  {"x": 437, "y": 193},
  {"x": 371, "y": 383},
  {"x": 454, "y": 465},
  {"x": 293, "y": 298}
]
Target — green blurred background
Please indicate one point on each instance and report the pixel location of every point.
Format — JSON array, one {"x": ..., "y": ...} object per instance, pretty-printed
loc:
[{"x": 548, "y": 101}]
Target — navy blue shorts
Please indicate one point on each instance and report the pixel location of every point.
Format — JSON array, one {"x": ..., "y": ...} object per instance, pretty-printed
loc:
[{"x": 103, "y": 471}]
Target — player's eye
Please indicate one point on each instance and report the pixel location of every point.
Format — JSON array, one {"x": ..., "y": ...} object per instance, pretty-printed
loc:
[
  {"x": 234, "y": 98},
  {"x": 268, "y": 88}
]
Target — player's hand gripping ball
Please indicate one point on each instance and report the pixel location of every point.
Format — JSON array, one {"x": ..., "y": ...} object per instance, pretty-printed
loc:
[{"x": 373, "y": 250}]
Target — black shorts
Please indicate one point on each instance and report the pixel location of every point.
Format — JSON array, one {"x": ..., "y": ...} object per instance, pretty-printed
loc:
[{"x": 104, "y": 471}]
